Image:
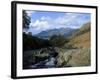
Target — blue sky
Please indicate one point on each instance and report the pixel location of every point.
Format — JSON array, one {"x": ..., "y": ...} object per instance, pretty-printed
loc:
[{"x": 43, "y": 20}]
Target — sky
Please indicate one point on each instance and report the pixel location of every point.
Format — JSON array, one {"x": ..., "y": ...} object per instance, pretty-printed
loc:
[{"x": 45, "y": 20}]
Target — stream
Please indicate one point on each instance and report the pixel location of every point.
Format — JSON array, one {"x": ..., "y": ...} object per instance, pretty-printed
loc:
[{"x": 48, "y": 63}]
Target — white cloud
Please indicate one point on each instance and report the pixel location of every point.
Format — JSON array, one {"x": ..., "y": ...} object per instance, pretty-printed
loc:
[
  {"x": 68, "y": 17},
  {"x": 45, "y": 18},
  {"x": 30, "y": 12},
  {"x": 68, "y": 20},
  {"x": 46, "y": 22},
  {"x": 73, "y": 20},
  {"x": 40, "y": 25}
]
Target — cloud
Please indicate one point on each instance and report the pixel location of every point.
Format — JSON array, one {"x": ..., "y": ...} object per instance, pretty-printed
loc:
[
  {"x": 40, "y": 25},
  {"x": 45, "y": 18},
  {"x": 67, "y": 20},
  {"x": 30, "y": 12},
  {"x": 73, "y": 19}
]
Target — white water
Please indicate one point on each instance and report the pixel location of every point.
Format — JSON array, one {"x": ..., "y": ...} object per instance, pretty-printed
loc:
[{"x": 45, "y": 64}]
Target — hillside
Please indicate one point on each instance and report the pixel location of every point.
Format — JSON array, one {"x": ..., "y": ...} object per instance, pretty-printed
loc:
[
  {"x": 81, "y": 38},
  {"x": 85, "y": 28},
  {"x": 79, "y": 53}
]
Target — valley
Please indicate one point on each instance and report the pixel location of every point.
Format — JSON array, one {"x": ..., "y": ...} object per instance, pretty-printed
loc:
[{"x": 58, "y": 48}]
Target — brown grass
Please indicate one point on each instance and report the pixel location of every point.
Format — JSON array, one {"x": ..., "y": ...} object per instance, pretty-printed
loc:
[{"x": 81, "y": 40}]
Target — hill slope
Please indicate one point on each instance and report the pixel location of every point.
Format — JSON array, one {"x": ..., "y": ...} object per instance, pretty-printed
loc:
[
  {"x": 81, "y": 38},
  {"x": 79, "y": 53}
]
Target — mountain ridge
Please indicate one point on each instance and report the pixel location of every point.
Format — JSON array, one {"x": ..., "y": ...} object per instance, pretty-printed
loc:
[{"x": 61, "y": 31}]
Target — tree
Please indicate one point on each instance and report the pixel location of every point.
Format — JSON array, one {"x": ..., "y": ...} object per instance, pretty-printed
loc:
[
  {"x": 26, "y": 20},
  {"x": 30, "y": 33},
  {"x": 58, "y": 40}
]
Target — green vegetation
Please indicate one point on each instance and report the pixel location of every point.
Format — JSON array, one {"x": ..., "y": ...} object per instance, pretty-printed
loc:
[
  {"x": 58, "y": 41},
  {"x": 30, "y": 42}
]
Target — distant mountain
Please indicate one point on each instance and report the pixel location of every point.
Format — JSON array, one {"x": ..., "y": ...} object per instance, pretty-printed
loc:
[{"x": 62, "y": 31}]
